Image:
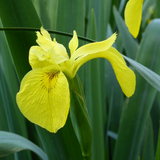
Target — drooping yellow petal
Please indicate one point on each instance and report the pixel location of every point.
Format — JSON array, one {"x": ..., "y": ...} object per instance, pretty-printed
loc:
[
  {"x": 124, "y": 75},
  {"x": 94, "y": 47},
  {"x": 73, "y": 44},
  {"x": 38, "y": 58},
  {"x": 133, "y": 16},
  {"x": 44, "y": 98}
]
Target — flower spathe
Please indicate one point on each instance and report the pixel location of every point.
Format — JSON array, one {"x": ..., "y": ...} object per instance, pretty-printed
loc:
[
  {"x": 44, "y": 96},
  {"x": 133, "y": 16}
]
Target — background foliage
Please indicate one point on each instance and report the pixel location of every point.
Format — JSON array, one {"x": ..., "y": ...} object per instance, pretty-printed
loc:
[{"x": 122, "y": 128}]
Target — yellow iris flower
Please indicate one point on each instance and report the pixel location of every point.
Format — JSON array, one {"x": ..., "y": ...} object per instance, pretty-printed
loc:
[
  {"x": 44, "y": 96},
  {"x": 133, "y": 16}
]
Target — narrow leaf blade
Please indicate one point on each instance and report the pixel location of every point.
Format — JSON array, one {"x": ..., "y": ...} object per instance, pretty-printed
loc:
[
  {"x": 150, "y": 76},
  {"x": 11, "y": 143},
  {"x": 80, "y": 117}
]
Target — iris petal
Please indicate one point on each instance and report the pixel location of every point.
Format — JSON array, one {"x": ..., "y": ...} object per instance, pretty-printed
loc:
[
  {"x": 45, "y": 34},
  {"x": 44, "y": 98},
  {"x": 47, "y": 44},
  {"x": 62, "y": 49},
  {"x": 94, "y": 47},
  {"x": 133, "y": 16},
  {"x": 38, "y": 58},
  {"x": 124, "y": 75},
  {"x": 44, "y": 42},
  {"x": 56, "y": 55},
  {"x": 73, "y": 44}
]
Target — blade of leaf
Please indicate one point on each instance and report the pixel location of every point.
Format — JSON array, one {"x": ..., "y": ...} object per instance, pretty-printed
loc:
[
  {"x": 147, "y": 11},
  {"x": 102, "y": 15},
  {"x": 10, "y": 118},
  {"x": 157, "y": 14},
  {"x": 41, "y": 8},
  {"x": 73, "y": 16},
  {"x": 19, "y": 13},
  {"x": 115, "y": 100},
  {"x": 148, "y": 146},
  {"x": 158, "y": 147},
  {"x": 150, "y": 76},
  {"x": 94, "y": 98},
  {"x": 10, "y": 143},
  {"x": 155, "y": 115},
  {"x": 52, "y": 12},
  {"x": 63, "y": 145},
  {"x": 12, "y": 86},
  {"x": 5, "y": 102},
  {"x": 122, "y": 6},
  {"x": 80, "y": 118}
]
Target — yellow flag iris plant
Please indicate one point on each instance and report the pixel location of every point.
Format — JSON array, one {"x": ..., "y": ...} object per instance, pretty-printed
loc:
[
  {"x": 44, "y": 96},
  {"x": 133, "y": 16}
]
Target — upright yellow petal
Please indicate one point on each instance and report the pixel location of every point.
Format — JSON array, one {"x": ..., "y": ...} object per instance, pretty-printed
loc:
[
  {"x": 44, "y": 98},
  {"x": 45, "y": 34},
  {"x": 56, "y": 55},
  {"x": 73, "y": 44},
  {"x": 94, "y": 47},
  {"x": 62, "y": 49},
  {"x": 44, "y": 41},
  {"x": 133, "y": 16},
  {"x": 124, "y": 75},
  {"x": 49, "y": 49}
]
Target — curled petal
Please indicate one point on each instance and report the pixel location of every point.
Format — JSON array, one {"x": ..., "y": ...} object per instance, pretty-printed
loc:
[
  {"x": 73, "y": 44},
  {"x": 38, "y": 58},
  {"x": 93, "y": 48},
  {"x": 44, "y": 98},
  {"x": 133, "y": 16},
  {"x": 124, "y": 75}
]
